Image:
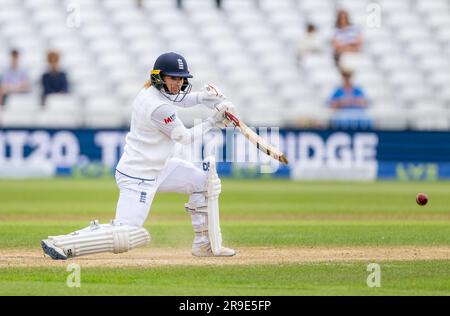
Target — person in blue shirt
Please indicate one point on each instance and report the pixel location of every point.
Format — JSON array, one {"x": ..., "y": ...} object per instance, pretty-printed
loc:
[
  {"x": 349, "y": 102},
  {"x": 53, "y": 81}
]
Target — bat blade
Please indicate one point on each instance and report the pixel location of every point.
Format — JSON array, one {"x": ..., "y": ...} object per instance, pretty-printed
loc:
[{"x": 257, "y": 140}]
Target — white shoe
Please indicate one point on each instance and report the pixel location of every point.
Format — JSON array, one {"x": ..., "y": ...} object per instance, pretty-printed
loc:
[
  {"x": 54, "y": 252},
  {"x": 205, "y": 251}
]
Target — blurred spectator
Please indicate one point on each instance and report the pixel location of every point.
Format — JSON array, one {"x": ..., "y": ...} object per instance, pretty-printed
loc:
[
  {"x": 139, "y": 3},
  {"x": 53, "y": 81},
  {"x": 180, "y": 4},
  {"x": 349, "y": 102},
  {"x": 310, "y": 43},
  {"x": 14, "y": 80},
  {"x": 347, "y": 38}
]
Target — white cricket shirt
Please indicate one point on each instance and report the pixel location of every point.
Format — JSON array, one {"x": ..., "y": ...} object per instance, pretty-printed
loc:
[{"x": 148, "y": 146}]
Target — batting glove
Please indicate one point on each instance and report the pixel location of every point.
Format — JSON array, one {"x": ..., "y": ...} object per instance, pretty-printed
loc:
[
  {"x": 218, "y": 118},
  {"x": 211, "y": 96}
]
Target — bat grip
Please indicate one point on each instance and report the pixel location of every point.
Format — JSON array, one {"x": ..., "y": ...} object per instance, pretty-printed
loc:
[{"x": 232, "y": 118}]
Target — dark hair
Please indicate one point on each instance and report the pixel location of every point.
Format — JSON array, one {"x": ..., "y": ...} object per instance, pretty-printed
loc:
[
  {"x": 310, "y": 27},
  {"x": 14, "y": 52}
]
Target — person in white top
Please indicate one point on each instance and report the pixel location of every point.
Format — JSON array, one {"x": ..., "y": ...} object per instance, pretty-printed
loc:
[
  {"x": 147, "y": 167},
  {"x": 347, "y": 38},
  {"x": 310, "y": 43}
]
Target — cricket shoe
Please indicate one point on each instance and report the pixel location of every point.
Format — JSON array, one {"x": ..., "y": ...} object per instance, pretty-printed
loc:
[
  {"x": 205, "y": 250},
  {"x": 51, "y": 250}
]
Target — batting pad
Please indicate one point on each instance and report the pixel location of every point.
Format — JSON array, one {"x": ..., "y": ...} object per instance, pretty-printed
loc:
[
  {"x": 214, "y": 233},
  {"x": 101, "y": 238}
]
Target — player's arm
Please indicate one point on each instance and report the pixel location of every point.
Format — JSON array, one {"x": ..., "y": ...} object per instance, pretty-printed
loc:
[
  {"x": 210, "y": 96},
  {"x": 190, "y": 100},
  {"x": 165, "y": 118}
]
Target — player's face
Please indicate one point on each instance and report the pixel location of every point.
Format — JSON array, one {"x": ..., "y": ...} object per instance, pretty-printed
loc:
[{"x": 173, "y": 84}]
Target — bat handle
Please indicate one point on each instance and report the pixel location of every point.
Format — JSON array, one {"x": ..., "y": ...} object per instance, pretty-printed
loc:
[{"x": 232, "y": 118}]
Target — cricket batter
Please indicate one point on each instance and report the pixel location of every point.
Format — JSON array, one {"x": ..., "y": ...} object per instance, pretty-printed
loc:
[{"x": 147, "y": 167}]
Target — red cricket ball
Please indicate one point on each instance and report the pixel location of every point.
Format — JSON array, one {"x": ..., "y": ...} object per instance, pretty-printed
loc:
[{"x": 421, "y": 198}]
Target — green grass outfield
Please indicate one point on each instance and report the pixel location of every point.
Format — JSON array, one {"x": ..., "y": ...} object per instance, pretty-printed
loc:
[{"x": 259, "y": 213}]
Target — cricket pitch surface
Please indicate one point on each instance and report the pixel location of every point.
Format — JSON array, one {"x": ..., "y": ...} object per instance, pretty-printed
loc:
[{"x": 157, "y": 257}]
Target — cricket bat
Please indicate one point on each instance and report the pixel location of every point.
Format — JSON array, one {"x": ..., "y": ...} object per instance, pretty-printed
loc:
[{"x": 257, "y": 140}]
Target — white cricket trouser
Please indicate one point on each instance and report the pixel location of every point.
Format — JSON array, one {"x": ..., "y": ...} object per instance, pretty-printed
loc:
[{"x": 136, "y": 195}]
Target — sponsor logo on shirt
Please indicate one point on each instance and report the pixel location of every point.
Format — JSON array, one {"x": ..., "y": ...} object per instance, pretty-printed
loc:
[{"x": 170, "y": 119}]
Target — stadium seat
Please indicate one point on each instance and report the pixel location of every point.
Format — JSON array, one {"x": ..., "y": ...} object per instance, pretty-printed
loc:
[
  {"x": 425, "y": 118},
  {"x": 129, "y": 89},
  {"x": 393, "y": 62},
  {"x": 123, "y": 17},
  {"x": 104, "y": 112},
  {"x": 412, "y": 33},
  {"x": 22, "y": 102},
  {"x": 13, "y": 30},
  {"x": 383, "y": 47},
  {"x": 116, "y": 5},
  {"x": 28, "y": 45},
  {"x": 8, "y": 4},
  {"x": 199, "y": 5},
  {"x": 286, "y": 18},
  {"x": 440, "y": 78},
  {"x": 119, "y": 75},
  {"x": 98, "y": 30},
  {"x": 11, "y": 15},
  {"x": 414, "y": 94},
  {"x": 63, "y": 103},
  {"x": 444, "y": 96},
  {"x": 136, "y": 33},
  {"x": 57, "y": 119},
  {"x": 49, "y": 15},
  {"x": 434, "y": 63},
  {"x": 204, "y": 18},
  {"x": 92, "y": 15},
  {"x": 443, "y": 35},
  {"x": 155, "y": 5},
  {"x": 388, "y": 117},
  {"x": 165, "y": 17},
  {"x": 67, "y": 45},
  {"x": 20, "y": 110},
  {"x": 317, "y": 61},
  {"x": 290, "y": 34},
  {"x": 86, "y": 71},
  {"x": 39, "y": 4},
  {"x": 91, "y": 87},
  {"x": 328, "y": 77},
  {"x": 395, "y": 6},
  {"x": 314, "y": 5},
  {"x": 267, "y": 118},
  {"x": 237, "y": 5},
  {"x": 356, "y": 61},
  {"x": 432, "y": 7},
  {"x": 438, "y": 20},
  {"x": 405, "y": 77},
  {"x": 18, "y": 119},
  {"x": 86, "y": 4}
]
